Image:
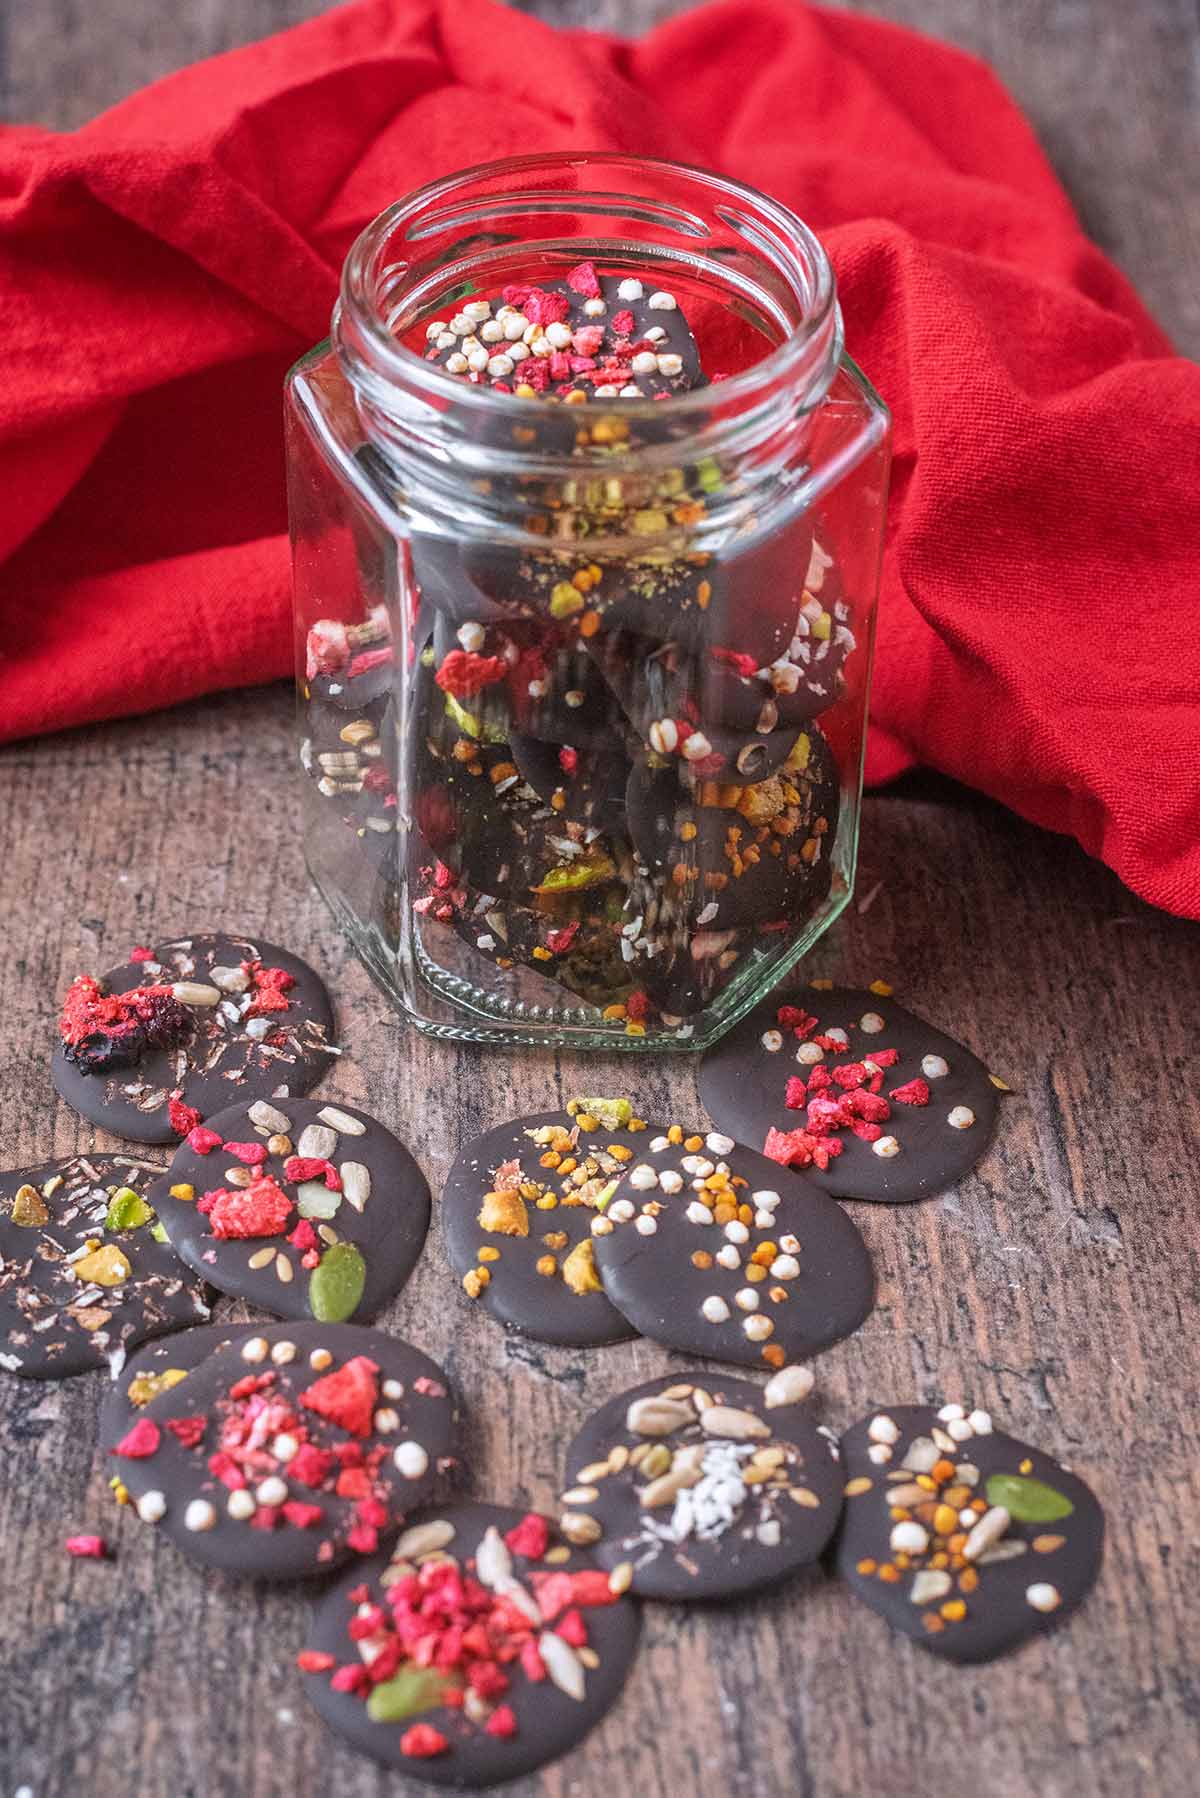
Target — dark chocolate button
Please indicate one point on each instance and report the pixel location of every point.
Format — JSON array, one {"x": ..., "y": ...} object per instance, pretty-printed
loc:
[
  {"x": 211, "y": 1033},
  {"x": 961, "y": 1536},
  {"x": 291, "y": 1450},
  {"x": 532, "y": 1267},
  {"x": 714, "y": 1250},
  {"x": 924, "y": 1126},
  {"x": 309, "y": 1208},
  {"x": 82, "y": 1275},
  {"x": 703, "y": 1486},
  {"x": 155, "y": 1368},
  {"x": 532, "y": 1648},
  {"x": 745, "y": 855}
]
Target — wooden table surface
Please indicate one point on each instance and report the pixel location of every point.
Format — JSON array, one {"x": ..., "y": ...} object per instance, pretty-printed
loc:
[{"x": 1057, "y": 1286}]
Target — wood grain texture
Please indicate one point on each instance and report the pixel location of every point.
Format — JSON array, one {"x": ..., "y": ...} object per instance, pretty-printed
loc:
[
  {"x": 1057, "y": 1287},
  {"x": 1112, "y": 88}
]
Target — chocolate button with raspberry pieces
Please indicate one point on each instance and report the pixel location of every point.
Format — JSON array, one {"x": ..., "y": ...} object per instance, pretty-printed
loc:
[
  {"x": 869, "y": 1100},
  {"x": 150, "y": 1048},
  {"x": 482, "y": 1647},
  {"x": 306, "y": 1207},
  {"x": 291, "y": 1449},
  {"x": 86, "y": 1271}
]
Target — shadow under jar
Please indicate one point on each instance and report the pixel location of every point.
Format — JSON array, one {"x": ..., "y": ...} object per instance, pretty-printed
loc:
[{"x": 587, "y": 506}]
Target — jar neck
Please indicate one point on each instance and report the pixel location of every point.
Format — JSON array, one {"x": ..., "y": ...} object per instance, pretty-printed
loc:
[{"x": 465, "y": 456}]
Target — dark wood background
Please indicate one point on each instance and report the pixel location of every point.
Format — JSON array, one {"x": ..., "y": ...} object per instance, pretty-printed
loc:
[{"x": 1057, "y": 1286}]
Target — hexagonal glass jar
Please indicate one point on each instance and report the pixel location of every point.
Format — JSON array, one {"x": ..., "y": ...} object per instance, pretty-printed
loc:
[{"x": 582, "y": 681}]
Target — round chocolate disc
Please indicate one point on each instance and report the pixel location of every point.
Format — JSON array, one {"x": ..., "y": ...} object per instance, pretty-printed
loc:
[
  {"x": 713, "y": 1250},
  {"x": 157, "y": 1367},
  {"x": 961, "y": 1536},
  {"x": 870, "y": 1100},
  {"x": 83, "y": 1277},
  {"x": 530, "y": 1647},
  {"x": 705, "y": 1487},
  {"x": 518, "y": 1223},
  {"x": 305, "y": 1207},
  {"x": 189, "y": 1027},
  {"x": 291, "y": 1449}
]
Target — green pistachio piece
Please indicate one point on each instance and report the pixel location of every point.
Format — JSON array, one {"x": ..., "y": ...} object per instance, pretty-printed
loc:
[
  {"x": 314, "y": 1199},
  {"x": 126, "y": 1210},
  {"x": 337, "y": 1284},
  {"x": 411, "y": 1690},
  {"x": 604, "y": 1195},
  {"x": 1027, "y": 1500},
  {"x": 459, "y": 715},
  {"x": 709, "y": 475},
  {"x": 576, "y": 875},
  {"x": 614, "y": 1114},
  {"x": 159, "y": 1234}
]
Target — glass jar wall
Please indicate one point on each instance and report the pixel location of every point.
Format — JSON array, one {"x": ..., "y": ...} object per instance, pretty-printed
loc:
[{"x": 587, "y": 507}]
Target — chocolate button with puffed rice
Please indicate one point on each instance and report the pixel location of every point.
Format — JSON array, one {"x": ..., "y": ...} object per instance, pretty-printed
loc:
[
  {"x": 85, "y": 1268},
  {"x": 519, "y": 1208},
  {"x": 285, "y": 1453},
  {"x": 868, "y": 1099},
  {"x": 703, "y": 1487},
  {"x": 481, "y": 1648},
  {"x": 961, "y": 1536},
  {"x": 307, "y": 1208},
  {"x": 187, "y": 1027},
  {"x": 713, "y": 1250}
]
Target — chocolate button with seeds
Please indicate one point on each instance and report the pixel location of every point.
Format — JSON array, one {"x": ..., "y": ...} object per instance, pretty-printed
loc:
[
  {"x": 519, "y": 1209},
  {"x": 85, "y": 1269},
  {"x": 713, "y": 1250},
  {"x": 703, "y": 1487},
  {"x": 962, "y": 1537},
  {"x": 291, "y": 1449},
  {"x": 867, "y": 1098},
  {"x": 307, "y": 1207},
  {"x": 151, "y": 1047},
  {"x": 531, "y": 1646}
]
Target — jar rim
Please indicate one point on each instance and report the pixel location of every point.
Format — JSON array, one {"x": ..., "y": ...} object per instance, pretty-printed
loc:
[{"x": 796, "y": 252}]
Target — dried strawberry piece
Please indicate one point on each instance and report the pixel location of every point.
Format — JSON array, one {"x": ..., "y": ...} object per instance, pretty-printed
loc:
[
  {"x": 422, "y": 1742},
  {"x": 637, "y": 1007},
  {"x": 560, "y": 366},
  {"x": 516, "y": 293},
  {"x": 327, "y": 648},
  {"x": 265, "y": 1517},
  {"x": 182, "y": 1118},
  {"x": 554, "y": 1592},
  {"x": 819, "y": 1080},
  {"x": 559, "y": 941},
  {"x": 790, "y": 1148},
  {"x": 832, "y": 1045},
  {"x": 913, "y": 1092},
  {"x": 314, "y": 1660},
  {"x": 530, "y": 1537},
  {"x": 140, "y": 1441},
  {"x": 795, "y": 1093},
  {"x": 346, "y": 1397},
  {"x": 869, "y": 1106},
  {"x": 532, "y": 1664},
  {"x": 850, "y": 1075},
  {"x": 262, "y": 1209},
  {"x": 351, "y": 1679},
  {"x": 303, "y": 1237},
  {"x": 463, "y": 674},
  {"x": 366, "y": 659},
  {"x": 827, "y": 1114},
  {"x": 884, "y": 1058},
  {"x": 827, "y": 1149},
  {"x": 310, "y": 1465},
  {"x": 543, "y": 308},
  {"x": 252, "y": 1154},
  {"x": 223, "y": 1467},
  {"x": 791, "y": 1017},
  {"x": 741, "y": 664},
  {"x": 353, "y": 1482},
  {"x": 587, "y": 339},
  {"x": 572, "y": 1629},
  {"x": 271, "y": 987},
  {"x": 568, "y": 760},
  {"x": 535, "y": 374},
  {"x": 188, "y": 1430},
  {"x": 312, "y": 1167},
  {"x": 87, "y": 1548},
  {"x": 502, "y": 1723},
  {"x": 868, "y": 1132},
  {"x": 300, "y": 1515},
  {"x": 487, "y": 1679},
  {"x": 202, "y": 1141},
  {"x": 584, "y": 280},
  {"x": 362, "y": 1539},
  {"x": 590, "y": 1587},
  {"x": 623, "y": 323},
  {"x": 141, "y": 953}
]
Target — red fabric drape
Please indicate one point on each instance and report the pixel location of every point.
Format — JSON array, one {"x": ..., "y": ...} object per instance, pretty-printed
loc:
[{"x": 161, "y": 267}]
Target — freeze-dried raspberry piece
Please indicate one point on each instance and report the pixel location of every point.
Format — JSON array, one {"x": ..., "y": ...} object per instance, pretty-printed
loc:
[
  {"x": 310, "y": 1465},
  {"x": 111, "y": 1030},
  {"x": 423, "y": 1741},
  {"x": 529, "y": 1537},
  {"x": 182, "y": 1118},
  {"x": 463, "y": 674},
  {"x": 913, "y": 1092},
  {"x": 346, "y": 1397},
  {"x": 584, "y": 280},
  {"x": 140, "y": 1441},
  {"x": 262, "y": 1209},
  {"x": 543, "y": 308}
]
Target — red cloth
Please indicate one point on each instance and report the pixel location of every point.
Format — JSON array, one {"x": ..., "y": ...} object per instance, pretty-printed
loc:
[{"x": 161, "y": 267}]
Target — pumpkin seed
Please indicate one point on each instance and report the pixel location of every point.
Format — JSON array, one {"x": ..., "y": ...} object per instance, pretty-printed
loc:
[
  {"x": 337, "y": 1284},
  {"x": 1025, "y": 1499},
  {"x": 412, "y": 1690}
]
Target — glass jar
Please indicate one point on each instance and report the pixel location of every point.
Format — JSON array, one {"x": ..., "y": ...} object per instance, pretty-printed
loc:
[{"x": 584, "y": 606}]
